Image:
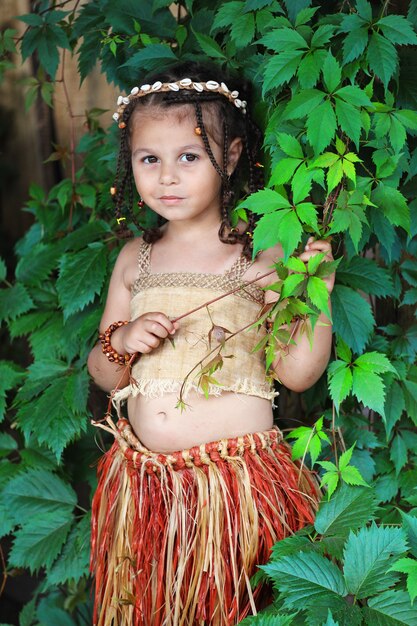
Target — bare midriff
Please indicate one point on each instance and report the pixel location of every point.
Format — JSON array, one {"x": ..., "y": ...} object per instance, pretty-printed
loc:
[{"x": 162, "y": 427}]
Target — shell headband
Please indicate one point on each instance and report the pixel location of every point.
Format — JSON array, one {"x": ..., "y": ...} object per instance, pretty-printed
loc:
[{"x": 179, "y": 85}]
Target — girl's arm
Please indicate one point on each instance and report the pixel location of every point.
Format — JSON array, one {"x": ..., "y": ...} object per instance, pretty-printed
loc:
[
  {"x": 141, "y": 336},
  {"x": 301, "y": 364}
]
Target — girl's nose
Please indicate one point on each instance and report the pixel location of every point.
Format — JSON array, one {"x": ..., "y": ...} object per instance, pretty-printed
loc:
[{"x": 168, "y": 174}]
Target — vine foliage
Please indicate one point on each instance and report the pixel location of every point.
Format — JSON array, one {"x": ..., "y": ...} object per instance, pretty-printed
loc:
[{"x": 336, "y": 96}]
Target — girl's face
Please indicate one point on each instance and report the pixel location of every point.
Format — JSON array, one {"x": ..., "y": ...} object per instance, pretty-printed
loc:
[{"x": 172, "y": 170}]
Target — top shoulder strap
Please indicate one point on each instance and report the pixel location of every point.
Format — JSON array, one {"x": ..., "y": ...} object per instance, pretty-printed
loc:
[
  {"x": 144, "y": 258},
  {"x": 239, "y": 267}
]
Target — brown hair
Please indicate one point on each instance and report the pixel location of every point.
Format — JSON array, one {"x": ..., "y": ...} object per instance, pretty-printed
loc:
[{"x": 215, "y": 108}]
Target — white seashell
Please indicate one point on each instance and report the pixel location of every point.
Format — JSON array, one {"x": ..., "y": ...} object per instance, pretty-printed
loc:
[
  {"x": 244, "y": 104},
  {"x": 134, "y": 91},
  {"x": 235, "y": 94},
  {"x": 156, "y": 85},
  {"x": 116, "y": 116},
  {"x": 145, "y": 87},
  {"x": 125, "y": 100},
  {"x": 238, "y": 103},
  {"x": 119, "y": 100},
  {"x": 173, "y": 86},
  {"x": 211, "y": 84},
  {"x": 225, "y": 88},
  {"x": 185, "y": 82},
  {"x": 198, "y": 87}
]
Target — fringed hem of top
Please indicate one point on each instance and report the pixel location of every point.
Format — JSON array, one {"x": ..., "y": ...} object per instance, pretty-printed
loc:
[
  {"x": 176, "y": 537},
  {"x": 153, "y": 388}
]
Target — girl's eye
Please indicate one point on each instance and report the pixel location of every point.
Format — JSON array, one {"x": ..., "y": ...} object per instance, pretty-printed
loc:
[
  {"x": 150, "y": 159},
  {"x": 188, "y": 157}
]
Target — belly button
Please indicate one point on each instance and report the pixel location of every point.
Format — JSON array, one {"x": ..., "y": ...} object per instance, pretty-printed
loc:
[{"x": 162, "y": 414}]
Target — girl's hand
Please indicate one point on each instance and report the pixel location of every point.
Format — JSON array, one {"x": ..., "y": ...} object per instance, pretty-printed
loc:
[
  {"x": 314, "y": 247},
  {"x": 144, "y": 334}
]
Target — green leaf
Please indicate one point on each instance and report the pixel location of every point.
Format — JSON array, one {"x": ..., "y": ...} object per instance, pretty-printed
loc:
[
  {"x": 50, "y": 419},
  {"x": 283, "y": 40},
  {"x": 397, "y": 134},
  {"x": 50, "y": 614},
  {"x": 393, "y": 204},
  {"x": 394, "y": 406},
  {"x": 307, "y": 579},
  {"x": 283, "y": 171},
  {"x": 352, "y": 317},
  {"x": 280, "y": 69},
  {"x": 303, "y": 103},
  {"x": 309, "y": 69},
  {"x": 40, "y": 540},
  {"x": 348, "y": 509},
  {"x": 354, "y": 95},
  {"x": 349, "y": 120},
  {"x": 290, "y": 284},
  {"x": 367, "y": 558},
  {"x": 151, "y": 57},
  {"x": 37, "y": 492},
  {"x": 397, "y": 29},
  {"x": 374, "y": 362},
  {"x": 398, "y": 452},
  {"x": 10, "y": 376},
  {"x": 332, "y": 73},
  {"x": 382, "y": 57},
  {"x": 209, "y": 46},
  {"x": 354, "y": 44},
  {"x": 407, "y": 118},
  {"x": 408, "y": 566},
  {"x": 318, "y": 294},
  {"x": 362, "y": 273},
  {"x": 7, "y": 444},
  {"x": 391, "y": 608},
  {"x": 308, "y": 440},
  {"x": 301, "y": 187},
  {"x": 265, "y": 201},
  {"x": 227, "y": 14},
  {"x": 307, "y": 212},
  {"x": 73, "y": 562},
  {"x": 410, "y": 527},
  {"x": 243, "y": 30},
  {"x": 35, "y": 267},
  {"x": 322, "y": 35},
  {"x": 290, "y": 145},
  {"x": 81, "y": 277},
  {"x": 14, "y": 301},
  {"x": 321, "y": 126},
  {"x": 289, "y": 233},
  {"x": 369, "y": 389},
  {"x": 364, "y": 9},
  {"x": 265, "y": 234}
]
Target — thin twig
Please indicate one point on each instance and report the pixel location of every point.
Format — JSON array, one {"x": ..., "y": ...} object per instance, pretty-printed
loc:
[
  {"x": 72, "y": 141},
  {"x": 4, "y": 572},
  {"x": 228, "y": 293}
]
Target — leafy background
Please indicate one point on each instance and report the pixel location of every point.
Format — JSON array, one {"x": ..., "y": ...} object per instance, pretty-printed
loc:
[{"x": 336, "y": 95}]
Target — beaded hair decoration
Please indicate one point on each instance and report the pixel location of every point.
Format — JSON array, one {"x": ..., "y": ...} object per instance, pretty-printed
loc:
[{"x": 179, "y": 85}]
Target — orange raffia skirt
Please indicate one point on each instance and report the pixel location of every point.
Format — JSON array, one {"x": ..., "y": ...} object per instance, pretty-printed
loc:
[{"x": 176, "y": 537}]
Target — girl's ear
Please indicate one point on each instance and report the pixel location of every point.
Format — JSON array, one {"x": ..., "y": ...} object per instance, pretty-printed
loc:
[{"x": 235, "y": 150}]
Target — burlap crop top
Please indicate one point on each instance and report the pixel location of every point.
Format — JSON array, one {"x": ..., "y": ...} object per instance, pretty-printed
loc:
[{"x": 164, "y": 369}]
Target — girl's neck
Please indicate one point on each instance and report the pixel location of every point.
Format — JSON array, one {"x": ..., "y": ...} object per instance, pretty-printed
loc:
[{"x": 191, "y": 232}]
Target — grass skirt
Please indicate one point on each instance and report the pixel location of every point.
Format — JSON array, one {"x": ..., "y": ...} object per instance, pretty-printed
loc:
[{"x": 176, "y": 537}]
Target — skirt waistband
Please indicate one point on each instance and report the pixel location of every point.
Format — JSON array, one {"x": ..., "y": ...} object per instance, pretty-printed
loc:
[{"x": 204, "y": 454}]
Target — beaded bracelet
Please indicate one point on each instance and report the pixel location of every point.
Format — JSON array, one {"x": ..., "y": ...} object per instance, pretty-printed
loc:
[{"x": 108, "y": 350}]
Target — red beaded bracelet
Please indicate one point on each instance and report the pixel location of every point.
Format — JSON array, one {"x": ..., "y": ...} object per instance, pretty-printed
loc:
[{"x": 108, "y": 350}]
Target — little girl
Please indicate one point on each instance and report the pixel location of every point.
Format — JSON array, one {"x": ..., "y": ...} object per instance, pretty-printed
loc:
[{"x": 198, "y": 484}]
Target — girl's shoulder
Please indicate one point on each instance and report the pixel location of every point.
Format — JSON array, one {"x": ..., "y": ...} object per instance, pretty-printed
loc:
[
  {"x": 264, "y": 263},
  {"x": 128, "y": 260}
]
